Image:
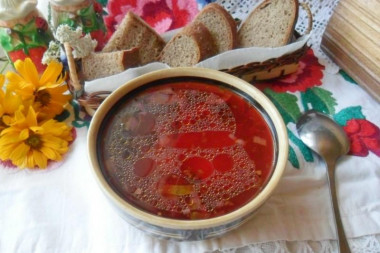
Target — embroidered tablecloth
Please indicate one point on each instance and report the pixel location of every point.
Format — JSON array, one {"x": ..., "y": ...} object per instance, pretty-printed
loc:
[{"x": 61, "y": 209}]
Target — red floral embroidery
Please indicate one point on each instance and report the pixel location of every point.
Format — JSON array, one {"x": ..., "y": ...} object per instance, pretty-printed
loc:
[
  {"x": 41, "y": 23},
  {"x": 98, "y": 8},
  {"x": 308, "y": 74},
  {"x": 364, "y": 137},
  {"x": 162, "y": 15},
  {"x": 7, "y": 164}
]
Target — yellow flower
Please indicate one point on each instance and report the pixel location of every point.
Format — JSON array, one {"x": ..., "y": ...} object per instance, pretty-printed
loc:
[
  {"x": 30, "y": 144},
  {"x": 9, "y": 103},
  {"x": 49, "y": 93}
]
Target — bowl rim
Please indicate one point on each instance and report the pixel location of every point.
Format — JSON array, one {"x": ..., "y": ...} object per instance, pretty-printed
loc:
[{"x": 171, "y": 223}]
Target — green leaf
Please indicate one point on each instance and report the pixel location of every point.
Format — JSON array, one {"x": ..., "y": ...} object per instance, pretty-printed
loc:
[
  {"x": 320, "y": 99},
  {"x": 347, "y": 77},
  {"x": 65, "y": 19},
  {"x": 86, "y": 11},
  {"x": 18, "y": 47},
  {"x": 293, "y": 158},
  {"x": 353, "y": 112},
  {"x": 6, "y": 39},
  {"x": 286, "y": 104},
  {"x": 102, "y": 2},
  {"x": 29, "y": 28}
]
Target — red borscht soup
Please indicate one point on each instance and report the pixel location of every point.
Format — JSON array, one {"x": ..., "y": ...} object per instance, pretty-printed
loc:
[{"x": 186, "y": 149}]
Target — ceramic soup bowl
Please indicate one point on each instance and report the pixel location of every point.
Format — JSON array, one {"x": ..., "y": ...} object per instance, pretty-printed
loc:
[{"x": 187, "y": 153}]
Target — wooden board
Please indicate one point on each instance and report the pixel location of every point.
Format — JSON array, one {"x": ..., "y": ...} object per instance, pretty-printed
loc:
[{"x": 352, "y": 40}]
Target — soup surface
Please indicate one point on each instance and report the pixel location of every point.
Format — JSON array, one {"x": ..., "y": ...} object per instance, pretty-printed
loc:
[{"x": 186, "y": 149}]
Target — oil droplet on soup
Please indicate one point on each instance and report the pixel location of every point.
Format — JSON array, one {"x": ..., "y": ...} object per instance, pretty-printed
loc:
[{"x": 195, "y": 150}]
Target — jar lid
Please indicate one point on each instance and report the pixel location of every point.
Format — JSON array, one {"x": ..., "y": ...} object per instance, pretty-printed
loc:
[
  {"x": 66, "y": 2},
  {"x": 16, "y": 9}
]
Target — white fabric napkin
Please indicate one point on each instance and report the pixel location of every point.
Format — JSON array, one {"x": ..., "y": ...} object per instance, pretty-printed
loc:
[{"x": 62, "y": 209}]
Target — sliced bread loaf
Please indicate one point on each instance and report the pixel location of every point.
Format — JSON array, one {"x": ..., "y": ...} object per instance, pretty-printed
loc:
[
  {"x": 270, "y": 24},
  {"x": 188, "y": 47},
  {"x": 98, "y": 65},
  {"x": 135, "y": 32},
  {"x": 221, "y": 26}
]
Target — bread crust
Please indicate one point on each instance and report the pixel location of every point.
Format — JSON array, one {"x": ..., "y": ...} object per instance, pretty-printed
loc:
[
  {"x": 231, "y": 25},
  {"x": 204, "y": 38},
  {"x": 135, "y": 32},
  {"x": 205, "y": 46},
  {"x": 98, "y": 65},
  {"x": 243, "y": 30}
]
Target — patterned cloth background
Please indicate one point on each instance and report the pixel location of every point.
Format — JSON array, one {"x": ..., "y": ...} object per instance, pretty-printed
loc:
[
  {"x": 161, "y": 15},
  {"x": 54, "y": 211}
]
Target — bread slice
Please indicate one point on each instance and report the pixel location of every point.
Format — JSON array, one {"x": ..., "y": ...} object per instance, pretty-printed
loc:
[
  {"x": 221, "y": 25},
  {"x": 271, "y": 24},
  {"x": 135, "y": 32},
  {"x": 188, "y": 47},
  {"x": 98, "y": 65}
]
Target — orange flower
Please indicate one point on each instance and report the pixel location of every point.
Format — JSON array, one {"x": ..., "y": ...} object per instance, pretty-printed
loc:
[
  {"x": 48, "y": 93},
  {"x": 9, "y": 103},
  {"x": 30, "y": 144}
]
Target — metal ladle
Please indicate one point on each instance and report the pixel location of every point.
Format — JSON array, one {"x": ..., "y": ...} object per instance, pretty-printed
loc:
[{"x": 326, "y": 138}]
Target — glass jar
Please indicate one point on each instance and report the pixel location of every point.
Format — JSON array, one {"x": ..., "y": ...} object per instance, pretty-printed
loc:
[
  {"x": 24, "y": 32},
  {"x": 87, "y": 14}
]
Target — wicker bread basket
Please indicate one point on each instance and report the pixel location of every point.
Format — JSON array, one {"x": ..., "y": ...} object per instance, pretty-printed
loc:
[
  {"x": 275, "y": 67},
  {"x": 251, "y": 72}
]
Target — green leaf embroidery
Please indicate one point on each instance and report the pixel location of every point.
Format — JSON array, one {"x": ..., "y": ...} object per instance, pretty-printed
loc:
[
  {"x": 88, "y": 19},
  {"x": 78, "y": 121},
  {"x": 347, "y": 77},
  {"x": 353, "y": 112},
  {"x": 293, "y": 158},
  {"x": 5, "y": 39},
  {"x": 286, "y": 104},
  {"x": 320, "y": 99},
  {"x": 63, "y": 116},
  {"x": 66, "y": 19},
  {"x": 24, "y": 37},
  {"x": 103, "y": 2},
  {"x": 29, "y": 29},
  {"x": 306, "y": 152}
]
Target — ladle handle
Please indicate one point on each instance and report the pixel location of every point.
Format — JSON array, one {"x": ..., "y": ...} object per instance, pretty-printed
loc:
[{"x": 342, "y": 239}]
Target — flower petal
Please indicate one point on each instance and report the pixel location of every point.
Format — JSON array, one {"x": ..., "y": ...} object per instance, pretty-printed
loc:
[
  {"x": 28, "y": 71},
  {"x": 24, "y": 134},
  {"x": 12, "y": 102},
  {"x": 9, "y": 139},
  {"x": 30, "y": 160},
  {"x": 2, "y": 79},
  {"x": 6, "y": 151},
  {"x": 40, "y": 159},
  {"x": 50, "y": 153},
  {"x": 51, "y": 73},
  {"x": 38, "y": 129},
  {"x": 14, "y": 80},
  {"x": 31, "y": 118},
  {"x": 19, "y": 153}
]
